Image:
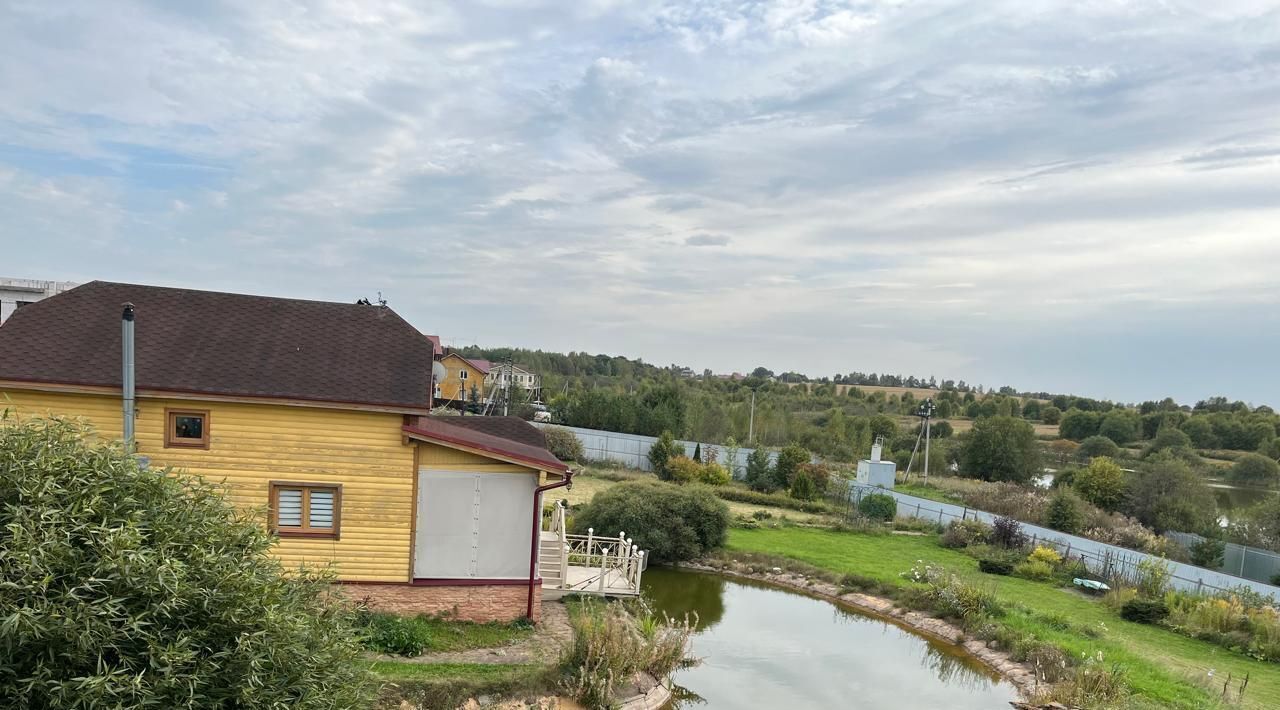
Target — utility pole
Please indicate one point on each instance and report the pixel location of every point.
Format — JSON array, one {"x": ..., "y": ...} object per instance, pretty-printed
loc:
[
  {"x": 927, "y": 409},
  {"x": 751, "y": 423}
]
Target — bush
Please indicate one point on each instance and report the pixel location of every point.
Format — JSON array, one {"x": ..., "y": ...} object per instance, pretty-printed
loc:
[
  {"x": 803, "y": 487},
  {"x": 1144, "y": 611},
  {"x": 963, "y": 533},
  {"x": 759, "y": 474},
  {"x": 1255, "y": 468},
  {"x": 738, "y": 494},
  {"x": 672, "y": 523},
  {"x": 683, "y": 469},
  {"x": 613, "y": 642},
  {"x": 1064, "y": 513},
  {"x": 1102, "y": 483},
  {"x": 661, "y": 452},
  {"x": 996, "y": 565},
  {"x": 878, "y": 506},
  {"x": 1153, "y": 577},
  {"x": 1208, "y": 553},
  {"x": 713, "y": 474},
  {"x": 790, "y": 458},
  {"x": 1044, "y": 554},
  {"x": 139, "y": 587},
  {"x": 396, "y": 635},
  {"x": 1034, "y": 569},
  {"x": 563, "y": 443},
  {"x": 948, "y": 596},
  {"x": 1007, "y": 532},
  {"x": 1095, "y": 446}
]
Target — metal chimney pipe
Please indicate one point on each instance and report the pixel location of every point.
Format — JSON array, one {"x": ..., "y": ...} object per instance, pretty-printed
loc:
[{"x": 127, "y": 388}]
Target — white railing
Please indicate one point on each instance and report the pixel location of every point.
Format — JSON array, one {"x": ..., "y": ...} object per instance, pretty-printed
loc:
[{"x": 613, "y": 563}]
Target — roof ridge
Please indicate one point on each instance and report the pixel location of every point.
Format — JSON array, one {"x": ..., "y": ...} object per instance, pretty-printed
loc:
[{"x": 222, "y": 293}]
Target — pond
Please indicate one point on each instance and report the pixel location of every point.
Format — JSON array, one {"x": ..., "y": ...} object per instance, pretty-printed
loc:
[
  {"x": 763, "y": 647},
  {"x": 1232, "y": 498}
]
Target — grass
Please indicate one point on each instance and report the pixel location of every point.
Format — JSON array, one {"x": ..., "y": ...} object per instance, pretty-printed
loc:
[
  {"x": 1162, "y": 667},
  {"x": 414, "y": 636}
]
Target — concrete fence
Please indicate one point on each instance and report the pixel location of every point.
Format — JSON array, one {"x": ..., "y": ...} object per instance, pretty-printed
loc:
[
  {"x": 1100, "y": 557},
  {"x": 632, "y": 450},
  {"x": 1239, "y": 560}
]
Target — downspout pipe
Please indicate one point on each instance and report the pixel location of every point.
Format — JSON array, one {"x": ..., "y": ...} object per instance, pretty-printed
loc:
[
  {"x": 537, "y": 534},
  {"x": 127, "y": 381}
]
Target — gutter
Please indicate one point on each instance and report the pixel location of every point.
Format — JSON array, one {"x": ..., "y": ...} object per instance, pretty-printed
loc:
[{"x": 537, "y": 534}]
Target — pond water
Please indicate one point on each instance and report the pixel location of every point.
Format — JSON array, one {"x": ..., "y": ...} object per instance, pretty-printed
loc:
[
  {"x": 762, "y": 647},
  {"x": 1231, "y": 498}
]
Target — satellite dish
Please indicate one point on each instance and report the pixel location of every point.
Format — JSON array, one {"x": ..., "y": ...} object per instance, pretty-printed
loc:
[{"x": 438, "y": 371}]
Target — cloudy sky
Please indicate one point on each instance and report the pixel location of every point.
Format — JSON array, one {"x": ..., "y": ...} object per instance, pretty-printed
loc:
[{"x": 1072, "y": 196}]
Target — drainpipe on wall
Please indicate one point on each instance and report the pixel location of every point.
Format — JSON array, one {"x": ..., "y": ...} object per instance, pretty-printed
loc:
[
  {"x": 127, "y": 383},
  {"x": 537, "y": 534}
]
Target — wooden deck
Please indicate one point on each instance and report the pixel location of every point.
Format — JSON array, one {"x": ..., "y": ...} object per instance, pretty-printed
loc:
[{"x": 586, "y": 564}]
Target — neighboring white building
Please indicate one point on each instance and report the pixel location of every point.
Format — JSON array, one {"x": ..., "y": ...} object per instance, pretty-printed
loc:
[
  {"x": 873, "y": 471},
  {"x": 501, "y": 374},
  {"x": 16, "y": 293}
]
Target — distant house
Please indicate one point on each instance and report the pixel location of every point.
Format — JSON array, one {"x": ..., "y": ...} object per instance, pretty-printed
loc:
[
  {"x": 16, "y": 293},
  {"x": 519, "y": 377},
  {"x": 317, "y": 414},
  {"x": 466, "y": 377}
]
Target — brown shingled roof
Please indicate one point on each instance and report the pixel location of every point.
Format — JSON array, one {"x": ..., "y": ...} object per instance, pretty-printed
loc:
[
  {"x": 221, "y": 343},
  {"x": 463, "y": 432},
  {"x": 513, "y": 428}
]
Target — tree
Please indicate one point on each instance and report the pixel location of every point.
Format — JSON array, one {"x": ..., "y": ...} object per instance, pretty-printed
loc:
[
  {"x": 130, "y": 587},
  {"x": 1050, "y": 414},
  {"x": 788, "y": 463},
  {"x": 1031, "y": 410},
  {"x": 1097, "y": 445},
  {"x": 672, "y": 523},
  {"x": 1001, "y": 449},
  {"x": 1256, "y": 469},
  {"x": 802, "y": 486},
  {"x": 661, "y": 452},
  {"x": 1166, "y": 494},
  {"x": 1078, "y": 424},
  {"x": 1200, "y": 432},
  {"x": 759, "y": 473},
  {"x": 1120, "y": 426},
  {"x": 1169, "y": 438},
  {"x": 1258, "y": 525},
  {"x": 1063, "y": 513},
  {"x": 1102, "y": 483},
  {"x": 697, "y": 452}
]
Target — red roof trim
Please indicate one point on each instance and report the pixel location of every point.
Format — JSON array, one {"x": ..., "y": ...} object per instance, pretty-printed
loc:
[{"x": 552, "y": 464}]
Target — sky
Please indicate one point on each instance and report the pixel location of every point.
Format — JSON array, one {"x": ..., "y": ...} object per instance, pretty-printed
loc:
[{"x": 1071, "y": 197}]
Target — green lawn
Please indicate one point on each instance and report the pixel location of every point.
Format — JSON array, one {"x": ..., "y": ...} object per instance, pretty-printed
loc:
[
  {"x": 1164, "y": 667},
  {"x": 463, "y": 635},
  {"x": 446, "y": 685}
]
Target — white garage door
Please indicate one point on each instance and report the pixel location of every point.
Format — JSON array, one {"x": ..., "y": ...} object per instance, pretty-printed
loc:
[{"x": 473, "y": 525}]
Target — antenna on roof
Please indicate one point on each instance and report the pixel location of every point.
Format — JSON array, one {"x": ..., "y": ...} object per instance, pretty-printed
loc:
[{"x": 381, "y": 301}]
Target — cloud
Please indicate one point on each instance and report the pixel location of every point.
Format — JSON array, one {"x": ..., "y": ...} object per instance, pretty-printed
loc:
[
  {"x": 985, "y": 178},
  {"x": 707, "y": 240}
]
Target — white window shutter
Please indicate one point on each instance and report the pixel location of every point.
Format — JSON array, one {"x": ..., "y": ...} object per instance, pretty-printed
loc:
[
  {"x": 321, "y": 514},
  {"x": 289, "y": 507}
]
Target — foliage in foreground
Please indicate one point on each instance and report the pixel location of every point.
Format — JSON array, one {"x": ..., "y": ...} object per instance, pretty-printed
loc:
[
  {"x": 672, "y": 523},
  {"x": 124, "y": 587},
  {"x": 612, "y": 642}
]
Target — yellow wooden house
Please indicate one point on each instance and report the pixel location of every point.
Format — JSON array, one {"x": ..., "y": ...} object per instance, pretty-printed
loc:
[
  {"x": 317, "y": 416},
  {"x": 464, "y": 381}
]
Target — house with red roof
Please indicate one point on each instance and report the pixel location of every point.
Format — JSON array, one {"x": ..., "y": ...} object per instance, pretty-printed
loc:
[{"x": 316, "y": 414}]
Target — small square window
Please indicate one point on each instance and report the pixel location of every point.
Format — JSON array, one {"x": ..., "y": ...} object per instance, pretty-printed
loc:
[
  {"x": 462, "y": 374},
  {"x": 187, "y": 428},
  {"x": 306, "y": 509}
]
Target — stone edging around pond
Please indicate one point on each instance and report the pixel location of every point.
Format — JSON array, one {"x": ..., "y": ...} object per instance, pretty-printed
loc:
[{"x": 1019, "y": 674}]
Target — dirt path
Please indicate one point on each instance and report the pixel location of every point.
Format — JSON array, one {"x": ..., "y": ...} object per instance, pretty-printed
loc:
[{"x": 543, "y": 646}]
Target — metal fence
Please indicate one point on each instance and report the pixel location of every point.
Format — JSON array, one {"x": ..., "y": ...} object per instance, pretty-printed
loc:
[
  {"x": 632, "y": 450},
  {"x": 1101, "y": 558},
  {"x": 1239, "y": 560}
]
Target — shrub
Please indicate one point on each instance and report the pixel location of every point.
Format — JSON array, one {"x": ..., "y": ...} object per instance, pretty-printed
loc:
[
  {"x": 1094, "y": 446},
  {"x": 996, "y": 565},
  {"x": 614, "y": 641},
  {"x": 1144, "y": 611},
  {"x": 1064, "y": 513},
  {"x": 1044, "y": 554},
  {"x": 396, "y": 635},
  {"x": 759, "y": 474},
  {"x": 878, "y": 506},
  {"x": 776, "y": 500},
  {"x": 662, "y": 451},
  {"x": 1007, "y": 532},
  {"x": 802, "y": 487},
  {"x": 563, "y": 443},
  {"x": 1152, "y": 577},
  {"x": 1118, "y": 597},
  {"x": 762, "y": 515},
  {"x": 819, "y": 474},
  {"x": 790, "y": 458},
  {"x": 1034, "y": 569},
  {"x": 140, "y": 587},
  {"x": 683, "y": 469},
  {"x": 1208, "y": 553},
  {"x": 1255, "y": 468},
  {"x": 1102, "y": 483},
  {"x": 672, "y": 523},
  {"x": 963, "y": 533},
  {"x": 949, "y": 596},
  {"x": 713, "y": 474}
]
